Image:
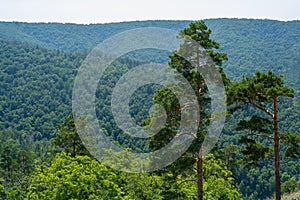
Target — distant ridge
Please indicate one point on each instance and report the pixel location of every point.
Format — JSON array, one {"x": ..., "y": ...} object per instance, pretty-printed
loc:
[
  {"x": 251, "y": 44},
  {"x": 58, "y": 35}
]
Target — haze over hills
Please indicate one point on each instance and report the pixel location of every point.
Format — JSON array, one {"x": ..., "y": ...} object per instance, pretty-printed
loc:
[{"x": 39, "y": 62}]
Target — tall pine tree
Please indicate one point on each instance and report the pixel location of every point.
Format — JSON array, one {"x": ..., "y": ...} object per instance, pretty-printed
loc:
[
  {"x": 262, "y": 92},
  {"x": 196, "y": 32}
]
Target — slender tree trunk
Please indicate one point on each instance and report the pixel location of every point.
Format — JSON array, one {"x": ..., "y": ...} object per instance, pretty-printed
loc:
[
  {"x": 200, "y": 176},
  {"x": 200, "y": 158},
  {"x": 276, "y": 151}
]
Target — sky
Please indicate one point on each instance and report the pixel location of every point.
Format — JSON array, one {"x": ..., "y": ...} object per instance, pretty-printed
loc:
[{"x": 99, "y": 11}]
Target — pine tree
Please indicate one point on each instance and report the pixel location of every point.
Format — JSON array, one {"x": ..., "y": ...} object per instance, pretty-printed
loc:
[
  {"x": 262, "y": 92},
  {"x": 199, "y": 33}
]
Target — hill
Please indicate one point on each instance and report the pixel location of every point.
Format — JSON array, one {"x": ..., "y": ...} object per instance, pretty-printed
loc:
[{"x": 250, "y": 44}]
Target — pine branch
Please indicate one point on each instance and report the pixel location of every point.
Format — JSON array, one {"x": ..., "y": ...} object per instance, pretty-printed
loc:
[
  {"x": 187, "y": 105},
  {"x": 186, "y": 156},
  {"x": 186, "y": 181},
  {"x": 262, "y": 135},
  {"x": 188, "y": 133},
  {"x": 261, "y": 108}
]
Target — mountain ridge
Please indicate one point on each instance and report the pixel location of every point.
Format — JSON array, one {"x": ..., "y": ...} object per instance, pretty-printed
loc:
[{"x": 251, "y": 44}]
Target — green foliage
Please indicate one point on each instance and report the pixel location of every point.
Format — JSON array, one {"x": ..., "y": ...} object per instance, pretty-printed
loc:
[
  {"x": 15, "y": 162},
  {"x": 2, "y": 191},
  {"x": 15, "y": 193},
  {"x": 141, "y": 186},
  {"x": 200, "y": 33},
  {"x": 68, "y": 139},
  {"x": 257, "y": 91},
  {"x": 139, "y": 106},
  {"x": 261, "y": 87},
  {"x": 218, "y": 180},
  {"x": 291, "y": 185},
  {"x": 253, "y": 152},
  {"x": 292, "y": 140},
  {"x": 73, "y": 178},
  {"x": 255, "y": 124},
  {"x": 81, "y": 177},
  {"x": 35, "y": 88}
]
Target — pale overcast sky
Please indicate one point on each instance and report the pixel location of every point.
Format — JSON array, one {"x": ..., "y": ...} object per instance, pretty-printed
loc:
[{"x": 99, "y": 11}]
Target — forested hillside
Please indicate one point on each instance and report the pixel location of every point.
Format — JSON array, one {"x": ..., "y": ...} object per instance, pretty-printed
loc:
[
  {"x": 38, "y": 65},
  {"x": 250, "y": 44}
]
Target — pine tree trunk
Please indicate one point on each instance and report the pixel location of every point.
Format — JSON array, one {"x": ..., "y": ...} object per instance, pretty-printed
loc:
[
  {"x": 276, "y": 151},
  {"x": 200, "y": 176},
  {"x": 200, "y": 159}
]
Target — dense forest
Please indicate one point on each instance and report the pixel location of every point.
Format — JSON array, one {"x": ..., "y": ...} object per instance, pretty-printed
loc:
[{"x": 41, "y": 154}]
